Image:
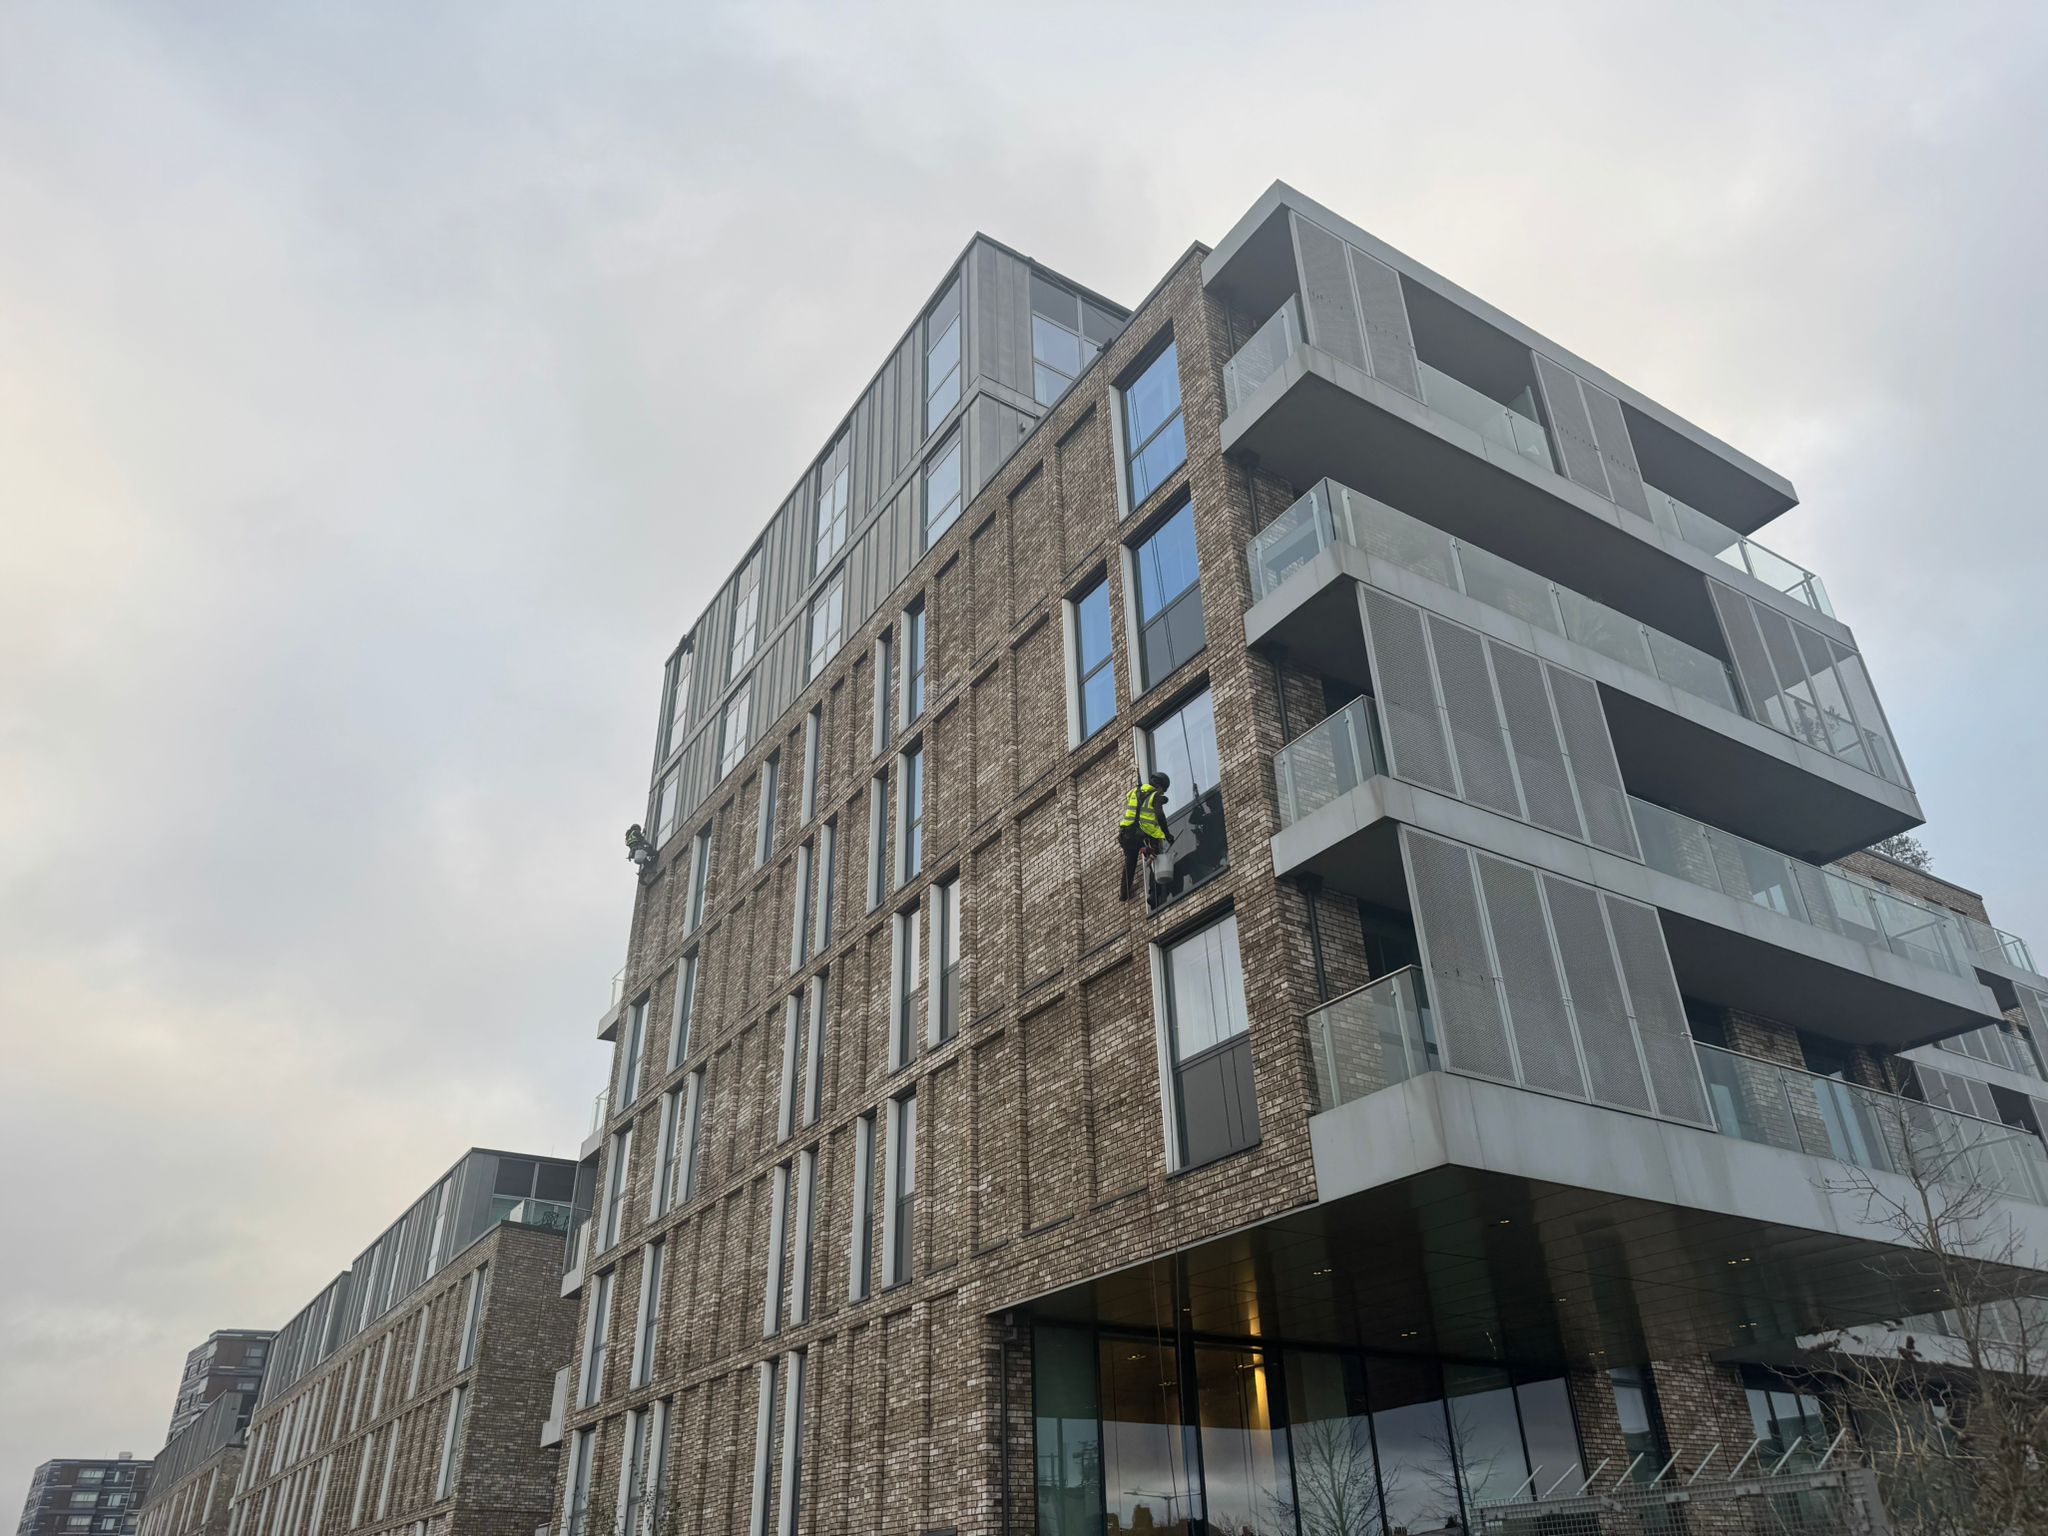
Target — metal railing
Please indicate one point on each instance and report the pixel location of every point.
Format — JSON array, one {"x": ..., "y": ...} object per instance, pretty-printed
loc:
[
  {"x": 1328, "y": 760},
  {"x": 1694, "y": 527},
  {"x": 1823, "y": 1501},
  {"x": 1996, "y": 943},
  {"x": 555, "y": 1215},
  {"x": 1800, "y": 1111},
  {"x": 1380, "y": 1034},
  {"x": 618, "y": 988},
  {"x": 1259, "y": 358},
  {"x": 1330, "y": 513},
  {"x": 1825, "y": 898},
  {"x": 1498, "y": 423}
]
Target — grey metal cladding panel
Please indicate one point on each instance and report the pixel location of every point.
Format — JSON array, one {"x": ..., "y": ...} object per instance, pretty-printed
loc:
[
  {"x": 1813, "y": 890},
  {"x": 1653, "y": 999},
  {"x": 908, "y": 531},
  {"x": 2034, "y": 1009},
  {"x": 1599, "y": 1004},
  {"x": 1464, "y": 995},
  {"x": 1617, "y": 452},
  {"x": 1333, "y": 321},
  {"x": 1474, "y": 717},
  {"x": 1544, "y": 1046},
  {"x": 1532, "y": 731},
  {"x": 1783, "y": 647},
  {"x": 1416, "y": 748},
  {"x": 1387, "y": 334},
  {"x": 1752, "y": 661},
  {"x": 1574, "y": 427},
  {"x": 909, "y": 400},
  {"x": 1595, "y": 772}
]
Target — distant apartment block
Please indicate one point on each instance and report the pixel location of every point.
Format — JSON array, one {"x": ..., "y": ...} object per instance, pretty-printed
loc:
[
  {"x": 231, "y": 1360},
  {"x": 85, "y": 1498},
  {"x": 196, "y": 1472}
]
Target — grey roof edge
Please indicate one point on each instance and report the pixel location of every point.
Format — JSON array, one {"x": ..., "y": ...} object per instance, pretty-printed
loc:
[{"x": 1280, "y": 196}]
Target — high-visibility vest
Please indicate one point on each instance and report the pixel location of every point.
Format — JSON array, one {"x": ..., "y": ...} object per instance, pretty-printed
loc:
[{"x": 1141, "y": 810}]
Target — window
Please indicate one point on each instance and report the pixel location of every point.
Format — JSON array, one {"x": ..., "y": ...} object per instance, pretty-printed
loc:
[
  {"x": 1210, "y": 1049},
  {"x": 764, "y": 817},
  {"x": 800, "y": 915},
  {"x": 814, "y": 1052},
  {"x": 885, "y": 713},
  {"x": 913, "y": 661},
  {"x": 834, "y": 476},
  {"x": 685, "y": 1010},
  {"x": 733, "y": 727},
  {"x": 860, "y": 1247},
  {"x": 1154, "y": 437},
  {"x": 650, "y": 1313},
  {"x": 596, "y": 1333},
  {"x": 472, "y": 1318},
  {"x": 942, "y": 492},
  {"x": 1066, "y": 332},
  {"x": 910, "y": 831},
  {"x": 377, "y": 1395},
  {"x": 1170, "y": 626},
  {"x": 828, "y": 847},
  {"x": 946, "y": 958},
  {"x": 792, "y": 1446},
  {"x": 764, "y": 1426},
  {"x": 942, "y": 357},
  {"x": 670, "y": 1147},
  {"x": 901, "y": 1210},
  {"x": 904, "y": 968},
  {"x": 444, "y": 1481},
  {"x": 632, "y": 1052},
  {"x": 633, "y": 1473},
  {"x": 1094, "y": 677},
  {"x": 676, "y": 713},
  {"x": 615, "y": 1187},
  {"x": 828, "y": 623},
  {"x": 419, "y": 1352},
  {"x": 813, "y": 729},
  {"x": 800, "y": 1263},
  {"x": 778, "y": 1248},
  {"x": 657, "y": 1474},
  {"x": 1183, "y": 745},
  {"x": 700, "y": 877},
  {"x": 693, "y": 1133},
  {"x": 878, "y": 829},
  {"x": 746, "y": 612},
  {"x": 1788, "y": 1421},
  {"x": 390, "y": 1470},
  {"x": 792, "y": 1029},
  {"x": 576, "y": 1505}
]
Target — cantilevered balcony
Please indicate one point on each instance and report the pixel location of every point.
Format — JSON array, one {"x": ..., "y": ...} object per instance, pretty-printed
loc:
[
  {"x": 1745, "y": 926},
  {"x": 1796, "y": 763}
]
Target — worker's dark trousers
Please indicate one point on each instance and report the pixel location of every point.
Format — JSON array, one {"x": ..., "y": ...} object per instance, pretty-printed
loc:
[{"x": 1133, "y": 843}]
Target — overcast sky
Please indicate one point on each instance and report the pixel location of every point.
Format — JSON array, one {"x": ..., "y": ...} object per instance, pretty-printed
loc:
[{"x": 385, "y": 387}]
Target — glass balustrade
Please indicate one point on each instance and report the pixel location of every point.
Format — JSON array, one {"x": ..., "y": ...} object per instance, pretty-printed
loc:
[
  {"x": 1382, "y": 1034},
  {"x": 1328, "y": 760},
  {"x": 1259, "y": 358},
  {"x": 1512, "y": 426},
  {"x": 1329, "y": 513},
  {"x": 1702, "y": 532},
  {"x": 600, "y": 1111}
]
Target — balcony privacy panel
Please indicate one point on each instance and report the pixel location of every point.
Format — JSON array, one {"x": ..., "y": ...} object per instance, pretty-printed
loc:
[
  {"x": 1388, "y": 338},
  {"x": 1493, "y": 725},
  {"x": 1402, "y": 682},
  {"x": 1952, "y": 1090},
  {"x": 1617, "y": 453},
  {"x": 1572, "y": 426},
  {"x": 1333, "y": 323},
  {"x": 1549, "y": 983}
]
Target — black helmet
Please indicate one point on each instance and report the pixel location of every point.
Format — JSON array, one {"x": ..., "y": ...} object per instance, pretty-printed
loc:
[{"x": 1162, "y": 781}]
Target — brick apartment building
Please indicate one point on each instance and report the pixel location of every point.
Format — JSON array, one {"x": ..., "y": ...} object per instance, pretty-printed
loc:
[
  {"x": 197, "y": 1470},
  {"x": 85, "y": 1498},
  {"x": 1454, "y": 1122},
  {"x": 231, "y": 1360},
  {"x": 411, "y": 1393}
]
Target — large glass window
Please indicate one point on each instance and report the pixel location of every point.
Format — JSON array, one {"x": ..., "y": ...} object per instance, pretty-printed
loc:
[
  {"x": 472, "y": 1320},
  {"x": 733, "y": 728},
  {"x": 577, "y": 1502},
  {"x": 912, "y": 833},
  {"x": 828, "y": 855},
  {"x": 1094, "y": 677},
  {"x": 1066, "y": 333},
  {"x": 650, "y": 1313},
  {"x": 1183, "y": 746},
  {"x": 878, "y": 829},
  {"x": 1418, "y": 1477},
  {"x": 1785, "y": 1419},
  {"x": 834, "y": 477},
  {"x": 665, "y": 801},
  {"x": 1169, "y": 574},
  {"x": 946, "y": 952},
  {"x": 1212, "y": 1061},
  {"x": 1149, "y": 1481},
  {"x": 663, "y": 1192},
  {"x": 942, "y": 490},
  {"x": 746, "y": 616},
  {"x": 678, "y": 711},
  {"x": 942, "y": 357},
  {"x": 903, "y": 1178},
  {"x": 1154, "y": 437},
  {"x": 685, "y": 1010},
  {"x": 1329, "y": 1427},
  {"x": 700, "y": 878},
  {"x": 908, "y": 979},
  {"x": 694, "y": 1113},
  {"x": 1068, "y": 1433},
  {"x": 764, "y": 820},
  {"x": 913, "y": 661},
  {"x": 633, "y": 1485},
  {"x": 591, "y": 1384},
  {"x": 615, "y": 1188},
  {"x": 828, "y": 623},
  {"x": 1246, "y": 1485},
  {"x": 861, "y": 1242},
  {"x": 632, "y": 1053}
]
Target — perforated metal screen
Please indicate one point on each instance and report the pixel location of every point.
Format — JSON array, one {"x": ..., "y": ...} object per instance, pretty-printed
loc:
[
  {"x": 1572, "y": 424},
  {"x": 1416, "y": 744},
  {"x": 1617, "y": 452},
  {"x": 1532, "y": 733},
  {"x": 1387, "y": 335},
  {"x": 1333, "y": 323}
]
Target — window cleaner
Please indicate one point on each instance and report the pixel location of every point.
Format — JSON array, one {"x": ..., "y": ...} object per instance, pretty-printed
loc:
[
  {"x": 638, "y": 849},
  {"x": 1142, "y": 832}
]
